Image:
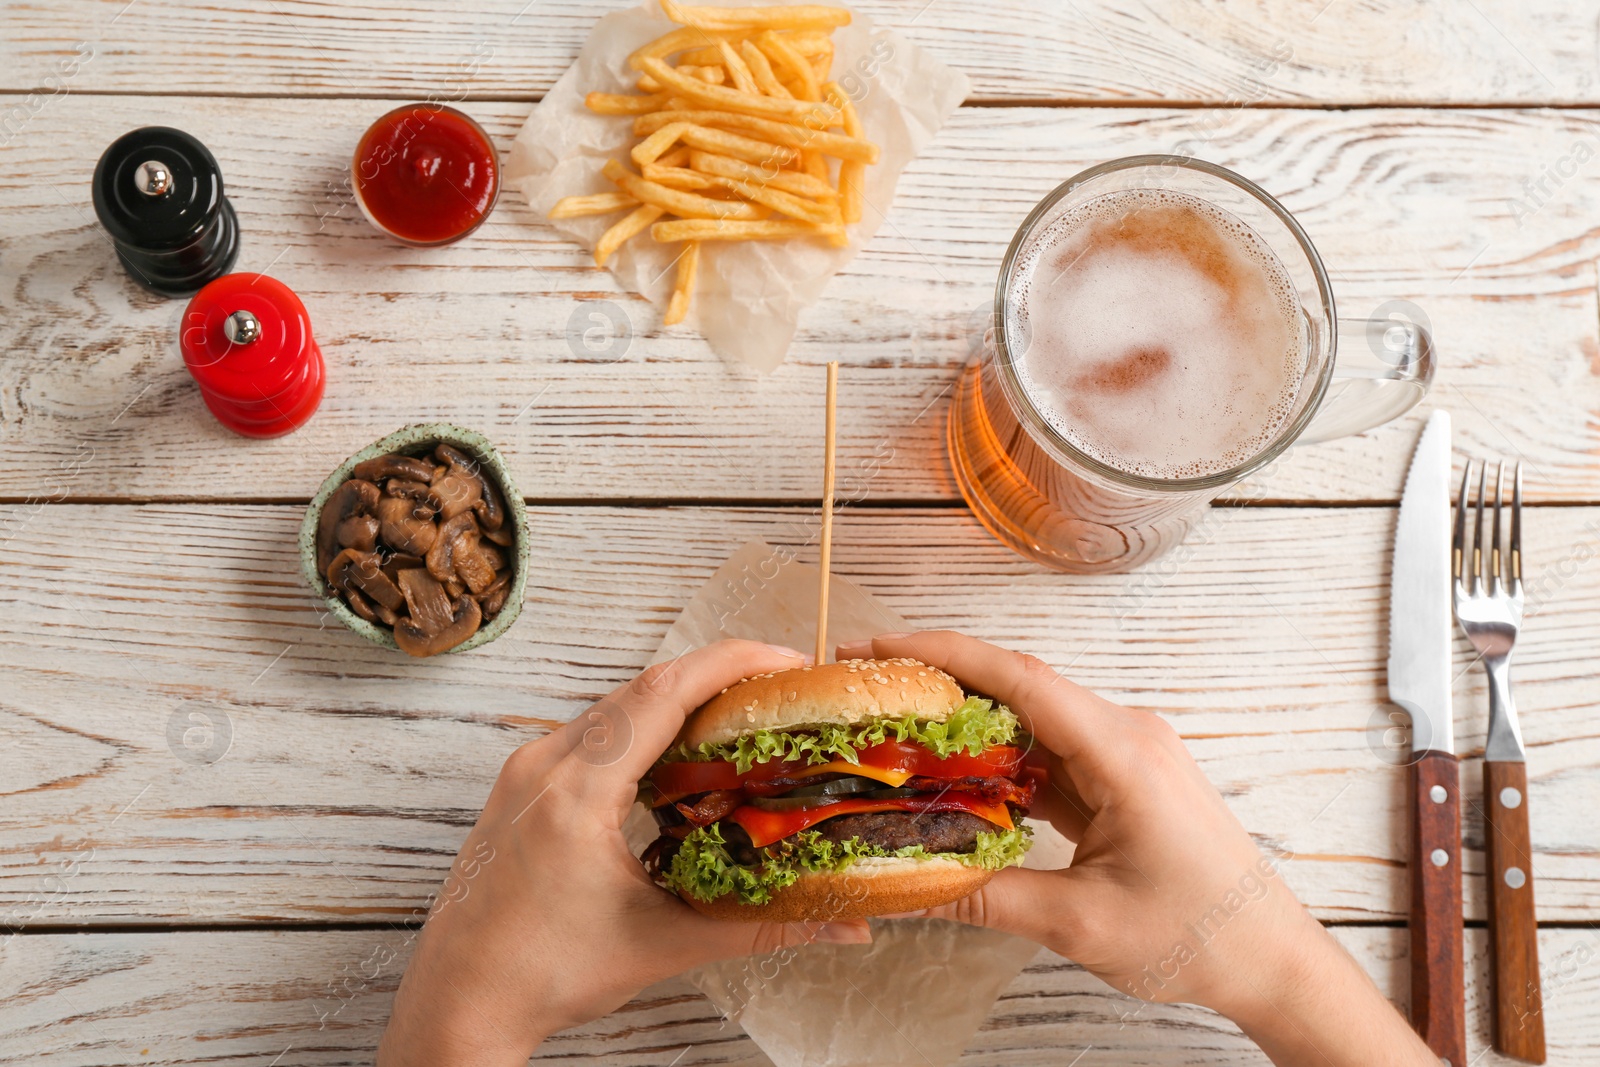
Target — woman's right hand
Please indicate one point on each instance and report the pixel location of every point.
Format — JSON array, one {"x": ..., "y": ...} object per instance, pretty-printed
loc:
[{"x": 1167, "y": 898}]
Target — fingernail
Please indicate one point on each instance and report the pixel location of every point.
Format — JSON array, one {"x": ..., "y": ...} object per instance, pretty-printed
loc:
[
  {"x": 856, "y": 933},
  {"x": 785, "y": 650}
]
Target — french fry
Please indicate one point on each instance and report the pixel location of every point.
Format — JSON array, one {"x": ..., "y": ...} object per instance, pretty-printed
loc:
[
  {"x": 852, "y": 174},
  {"x": 711, "y": 73},
  {"x": 847, "y": 111},
  {"x": 808, "y": 17},
  {"x": 647, "y": 84},
  {"x": 630, "y": 224},
  {"x": 788, "y": 181},
  {"x": 782, "y": 133},
  {"x": 738, "y": 72},
  {"x": 683, "y": 285},
  {"x": 724, "y": 143},
  {"x": 677, "y": 41},
  {"x": 651, "y": 148},
  {"x": 798, "y": 69},
  {"x": 720, "y": 96},
  {"x": 785, "y": 203},
  {"x": 571, "y": 207},
  {"x": 623, "y": 103},
  {"x": 814, "y": 165},
  {"x": 761, "y": 68},
  {"x": 689, "y": 205},
  {"x": 821, "y": 65},
  {"x": 677, "y": 177},
  {"x": 729, "y": 230}
]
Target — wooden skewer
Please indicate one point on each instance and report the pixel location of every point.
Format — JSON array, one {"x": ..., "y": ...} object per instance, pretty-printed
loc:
[{"x": 827, "y": 515}]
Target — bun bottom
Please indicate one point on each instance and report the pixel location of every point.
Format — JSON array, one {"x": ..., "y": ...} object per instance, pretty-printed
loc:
[{"x": 868, "y": 887}]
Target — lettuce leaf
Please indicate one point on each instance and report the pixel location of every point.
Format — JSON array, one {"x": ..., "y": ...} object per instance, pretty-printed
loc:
[
  {"x": 704, "y": 869},
  {"x": 975, "y": 726}
]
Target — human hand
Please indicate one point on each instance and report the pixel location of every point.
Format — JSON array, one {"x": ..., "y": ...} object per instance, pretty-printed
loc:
[
  {"x": 1167, "y": 897},
  {"x": 547, "y": 919}
]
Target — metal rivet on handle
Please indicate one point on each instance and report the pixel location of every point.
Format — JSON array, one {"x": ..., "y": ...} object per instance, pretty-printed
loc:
[
  {"x": 1515, "y": 878},
  {"x": 1438, "y": 795},
  {"x": 1510, "y": 797},
  {"x": 1439, "y": 857}
]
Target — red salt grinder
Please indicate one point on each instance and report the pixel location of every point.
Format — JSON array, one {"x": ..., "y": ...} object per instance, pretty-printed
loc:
[{"x": 247, "y": 342}]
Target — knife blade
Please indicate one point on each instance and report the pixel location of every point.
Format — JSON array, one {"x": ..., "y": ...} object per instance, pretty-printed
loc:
[{"x": 1420, "y": 629}]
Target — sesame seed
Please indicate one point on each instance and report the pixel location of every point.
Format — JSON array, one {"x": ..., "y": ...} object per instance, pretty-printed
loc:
[{"x": 849, "y": 689}]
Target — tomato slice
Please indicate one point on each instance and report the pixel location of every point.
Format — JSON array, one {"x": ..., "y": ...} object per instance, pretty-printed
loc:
[
  {"x": 765, "y": 827},
  {"x": 890, "y": 762}
]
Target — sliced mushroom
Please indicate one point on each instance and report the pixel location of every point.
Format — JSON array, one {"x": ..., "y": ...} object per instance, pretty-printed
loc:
[
  {"x": 422, "y": 494},
  {"x": 430, "y": 608},
  {"x": 403, "y": 529},
  {"x": 491, "y": 510},
  {"x": 496, "y": 558},
  {"x": 394, "y": 465},
  {"x": 492, "y": 599},
  {"x": 465, "y": 619},
  {"x": 503, "y": 536},
  {"x": 456, "y": 492},
  {"x": 356, "y": 569},
  {"x": 358, "y": 531},
  {"x": 353, "y": 497},
  {"x": 368, "y": 610},
  {"x": 453, "y": 588},
  {"x": 452, "y": 538},
  {"x": 473, "y": 567}
]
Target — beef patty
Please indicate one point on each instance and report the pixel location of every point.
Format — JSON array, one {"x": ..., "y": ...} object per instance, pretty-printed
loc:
[{"x": 936, "y": 831}]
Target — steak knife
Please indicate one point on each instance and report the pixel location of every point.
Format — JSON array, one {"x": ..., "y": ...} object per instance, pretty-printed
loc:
[{"x": 1420, "y": 630}]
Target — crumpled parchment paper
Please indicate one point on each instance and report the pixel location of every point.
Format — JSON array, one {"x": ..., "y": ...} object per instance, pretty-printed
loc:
[
  {"x": 749, "y": 295},
  {"x": 917, "y": 994}
]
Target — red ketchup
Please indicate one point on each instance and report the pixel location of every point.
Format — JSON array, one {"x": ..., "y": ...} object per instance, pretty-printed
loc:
[
  {"x": 425, "y": 174},
  {"x": 247, "y": 342}
]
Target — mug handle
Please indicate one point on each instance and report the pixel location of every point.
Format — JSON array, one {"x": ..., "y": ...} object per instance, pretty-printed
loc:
[{"x": 1381, "y": 369}]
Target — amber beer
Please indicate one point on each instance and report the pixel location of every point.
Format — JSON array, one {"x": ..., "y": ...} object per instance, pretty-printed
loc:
[{"x": 1162, "y": 328}]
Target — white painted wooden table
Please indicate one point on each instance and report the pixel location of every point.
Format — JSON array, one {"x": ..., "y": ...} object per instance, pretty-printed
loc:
[{"x": 248, "y": 897}]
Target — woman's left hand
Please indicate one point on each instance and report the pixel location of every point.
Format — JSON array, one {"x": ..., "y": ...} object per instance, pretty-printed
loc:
[{"x": 547, "y": 919}]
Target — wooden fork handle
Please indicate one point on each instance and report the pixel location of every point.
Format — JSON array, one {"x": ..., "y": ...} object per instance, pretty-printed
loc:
[
  {"x": 1438, "y": 996},
  {"x": 1513, "y": 932}
]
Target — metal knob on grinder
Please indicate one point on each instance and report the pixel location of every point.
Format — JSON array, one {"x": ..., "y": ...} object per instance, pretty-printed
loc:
[
  {"x": 246, "y": 340},
  {"x": 159, "y": 194}
]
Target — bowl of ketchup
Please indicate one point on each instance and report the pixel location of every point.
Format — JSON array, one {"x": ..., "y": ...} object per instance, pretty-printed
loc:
[{"x": 425, "y": 174}]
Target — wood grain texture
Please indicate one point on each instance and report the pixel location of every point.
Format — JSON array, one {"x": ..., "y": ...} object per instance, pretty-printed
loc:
[
  {"x": 141, "y": 642},
  {"x": 95, "y": 404},
  {"x": 1513, "y": 926},
  {"x": 320, "y": 999},
  {"x": 1328, "y": 52},
  {"x": 1437, "y": 960}
]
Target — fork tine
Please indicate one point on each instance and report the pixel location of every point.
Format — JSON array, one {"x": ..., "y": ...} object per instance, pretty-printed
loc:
[
  {"x": 1495, "y": 580},
  {"x": 1478, "y": 582},
  {"x": 1516, "y": 532},
  {"x": 1458, "y": 541}
]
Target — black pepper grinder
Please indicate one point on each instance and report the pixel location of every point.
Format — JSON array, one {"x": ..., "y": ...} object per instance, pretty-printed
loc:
[{"x": 158, "y": 192}]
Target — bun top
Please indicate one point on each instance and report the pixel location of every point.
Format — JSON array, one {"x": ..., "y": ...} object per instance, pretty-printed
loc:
[{"x": 847, "y": 692}]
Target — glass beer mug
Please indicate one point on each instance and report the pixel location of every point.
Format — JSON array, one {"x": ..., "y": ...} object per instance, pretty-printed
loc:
[{"x": 1018, "y": 447}]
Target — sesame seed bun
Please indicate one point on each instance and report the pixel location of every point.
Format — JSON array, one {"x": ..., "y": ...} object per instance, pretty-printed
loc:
[
  {"x": 844, "y": 693},
  {"x": 872, "y": 886}
]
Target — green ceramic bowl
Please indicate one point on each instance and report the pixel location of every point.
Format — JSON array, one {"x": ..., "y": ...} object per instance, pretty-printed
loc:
[{"x": 416, "y": 441}]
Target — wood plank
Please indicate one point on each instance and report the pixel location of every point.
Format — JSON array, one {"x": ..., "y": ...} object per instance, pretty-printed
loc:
[
  {"x": 94, "y": 403},
  {"x": 1496, "y": 51},
  {"x": 181, "y": 721},
  {"x": 321, "y": 998}
]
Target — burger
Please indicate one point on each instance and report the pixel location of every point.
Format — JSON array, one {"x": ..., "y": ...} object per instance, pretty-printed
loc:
[{"x": 839, "y": 791}]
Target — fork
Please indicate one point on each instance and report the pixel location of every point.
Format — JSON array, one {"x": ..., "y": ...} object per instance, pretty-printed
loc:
[{"x": 1488, "y": 605}]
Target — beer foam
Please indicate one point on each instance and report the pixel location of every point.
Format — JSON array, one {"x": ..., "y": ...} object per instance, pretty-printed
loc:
[{"x": 1157, "y": 334}]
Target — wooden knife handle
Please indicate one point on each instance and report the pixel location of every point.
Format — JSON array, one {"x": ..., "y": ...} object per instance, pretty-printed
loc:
[
  {"x": 1438, "y": 996},
  {"x": 1513, "y": 933}
]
